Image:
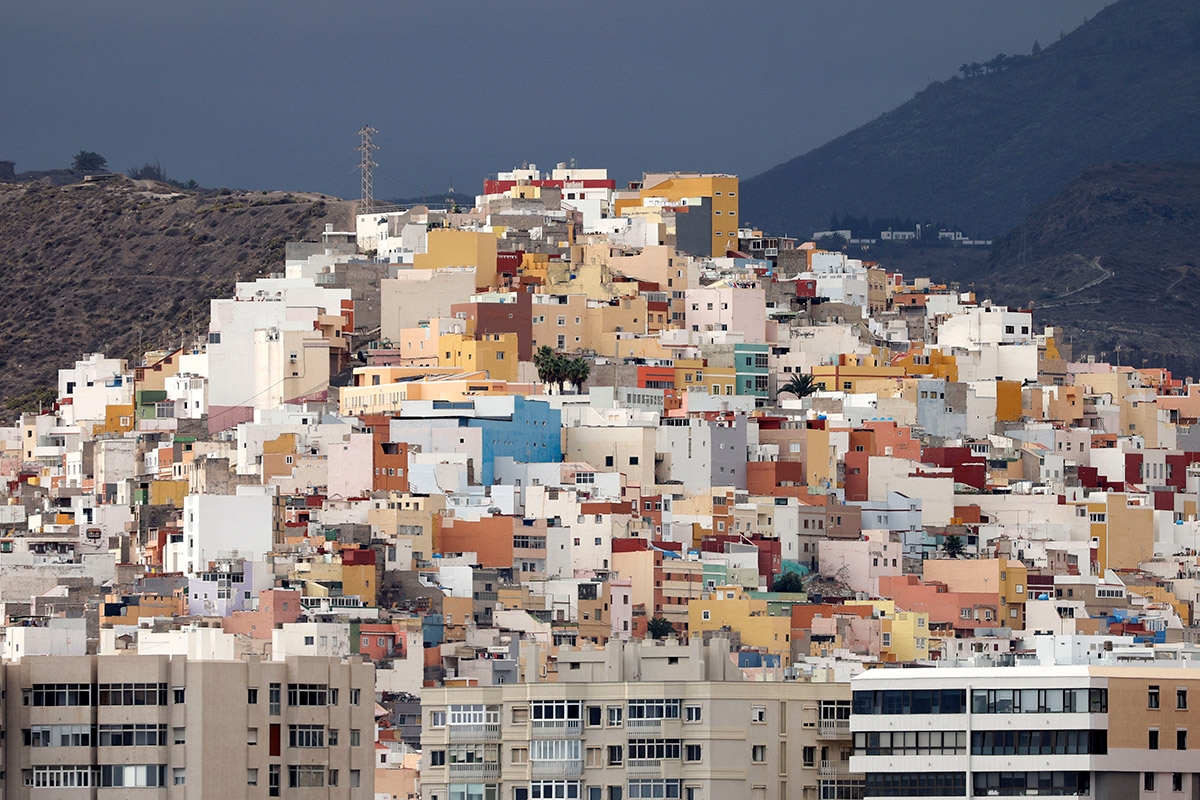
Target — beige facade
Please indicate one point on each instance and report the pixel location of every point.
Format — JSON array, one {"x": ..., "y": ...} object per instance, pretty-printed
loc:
[
  {"x": 700, "y": 740},
  {"x": 303, "y": 727}
]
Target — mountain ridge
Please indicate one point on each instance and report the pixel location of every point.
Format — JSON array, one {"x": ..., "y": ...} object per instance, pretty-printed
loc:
[{"x": 980, "y": 152}]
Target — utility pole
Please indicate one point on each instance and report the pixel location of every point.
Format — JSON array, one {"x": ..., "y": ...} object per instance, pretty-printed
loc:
[{"x": 366, "y": 148}]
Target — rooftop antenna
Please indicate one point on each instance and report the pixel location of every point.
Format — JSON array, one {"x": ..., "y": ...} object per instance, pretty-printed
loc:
[{"x": 366, "y": 148}]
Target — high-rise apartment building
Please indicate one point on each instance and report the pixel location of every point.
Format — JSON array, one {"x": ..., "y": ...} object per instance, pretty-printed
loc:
[
  {"x": 590, "y": 737},
  {"x": 170, "y": 727},
  {"x": 1078, "y": 731}
]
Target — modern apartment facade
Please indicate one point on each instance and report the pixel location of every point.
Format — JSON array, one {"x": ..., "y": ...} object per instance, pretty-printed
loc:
[
  {"x": 142, "y": 726},
  {"x": 1074, "y": 731},
  {"x": 588, "y": 738}
]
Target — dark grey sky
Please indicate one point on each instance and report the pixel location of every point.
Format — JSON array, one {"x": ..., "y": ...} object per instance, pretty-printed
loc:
[{"x": 270, "y": 94}]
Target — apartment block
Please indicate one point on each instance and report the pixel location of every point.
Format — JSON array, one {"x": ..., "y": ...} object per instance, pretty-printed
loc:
[
  {"x": 1100, "y": 732},
  {"x": 640, "y": 722},
  {"x": 170, "y": 727}
]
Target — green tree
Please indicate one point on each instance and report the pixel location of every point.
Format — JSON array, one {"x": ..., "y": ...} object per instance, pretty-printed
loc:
[
  {"x": 578, "y": 370},
  {"x": 788, "y": 582},
  {"x": 953, "y": 545},
  {"x": 800, "y": 385},
  {"x": 148, "y": 172},
  {"x": 87, "y": 161},
  {"x": 659, "y": 628},
  {"x": 543, "y": 362}
]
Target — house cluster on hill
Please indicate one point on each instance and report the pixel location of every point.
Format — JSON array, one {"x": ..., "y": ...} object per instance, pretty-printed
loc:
[{"x": 368, "y": 503}]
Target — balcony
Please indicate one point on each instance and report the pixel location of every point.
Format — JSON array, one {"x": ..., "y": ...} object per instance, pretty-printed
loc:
[
  {"x": 556, "y": 729},
  {"x": 475, "y": 732},
  {"x": 833, "y": 729},
  {"x": 644, "y": 767},
  {"x": 475, "y": 770},
  {"x": 556, "y": 769},
  {"x": 833, "y": 769},
  {"x": 644, "y": 727}
]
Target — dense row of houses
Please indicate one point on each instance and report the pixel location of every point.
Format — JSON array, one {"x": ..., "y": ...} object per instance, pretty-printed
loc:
[{"x": 784, "y": 466}]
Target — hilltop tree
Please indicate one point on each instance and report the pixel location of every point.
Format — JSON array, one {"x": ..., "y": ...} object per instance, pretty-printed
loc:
[
  {"x": 87, "y": 161},
  {"x": 800, "y": 385},
  {"x": 788, "y": 582},
  {"x": 1037, "y": 47},
  {"x": 659, "y": 628},
  {"x": 954, "y": 546}
]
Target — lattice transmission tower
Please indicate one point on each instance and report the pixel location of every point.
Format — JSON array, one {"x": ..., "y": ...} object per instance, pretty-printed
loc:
[{"x": 366, "y": 148}]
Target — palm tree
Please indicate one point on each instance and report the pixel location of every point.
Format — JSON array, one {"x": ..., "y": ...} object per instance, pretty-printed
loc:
[
  {"x": 801, "y": 385},
  {"x": 659, "y": 627},
  {"x": 543, "y": 361},
  {"x": 578, "y": 370}
]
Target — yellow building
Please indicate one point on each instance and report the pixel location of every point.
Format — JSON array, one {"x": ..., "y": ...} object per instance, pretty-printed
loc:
[
  {"x": 447, "y": 247},
  {"x": 117, "y": 419},
  {"x": 732, "y": 608},
  {"x": 493, "y": 353},
  {"x": 691, "y": 373},
  {"x": 855, "y": 373},
  {"x": 676, "y": 189},
  {"x": 1123, "y": 529},
  {"x": 928, "y": 363}
]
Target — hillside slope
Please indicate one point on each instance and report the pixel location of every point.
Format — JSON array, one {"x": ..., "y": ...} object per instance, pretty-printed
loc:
[
  {"x": 119, "y": 264},
  {"x": 981, "y": 152},
  {"x": 1113, "y": 259}
]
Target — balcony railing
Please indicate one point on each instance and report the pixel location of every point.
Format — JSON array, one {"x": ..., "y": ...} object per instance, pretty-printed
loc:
[
  {"x": 475, "y": 732},
  {"x": 556, "y": 728},
  {"x": 644, "y": 726},
  {"x": 834, "y": 729},
  {"x": 556, "y": 769},
  {"x": 475, "y": 769},
  {"x": 833, "y": 769},
  {"x": 645, "y": 767}
]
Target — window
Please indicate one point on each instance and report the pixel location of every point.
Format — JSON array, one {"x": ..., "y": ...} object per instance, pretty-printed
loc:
[
  {"x": 558, "y": 790},
  {"x": 1148, "y": 781},
  {"x": 614, "y": 716},
  {"x": 306, "y": 735},
  {"x": 758, "y": 714},
  {"x": 303, "y": 776},
  {"x": 692, "y": 713},
  {"x": 615, "y": 755},
  {"x": 1152, "y": 739},
  {"x": 273, "y": 693},
  {"x": 356, "y": 735},
  {"x": 308, "y": 694},
  {"x": 1176, "y": 781},
  {"x": 354, "y": 778},
  {"x": 691, "y": 752},
  {"x": 122, "y": 694},
  {"x": 1152, "y": 697},
  {"x": 333, "y": 777},
  {"x": 252, "y": 777},
  {"x": 758, "y": 753},
  {"x": 273, "y": 780},
  {"x": 595, "y": 716},
  {"x": 1181, "y": 699},
  {"x": 178, "y": 735},
  {"x": 520, "y": 755},
  {"x": 178, "y": 695},
  {"x": 355, "y": 697},
  {"x": 594, "y": 756},
  {"x": 333, "y": 737},
  {"x": 134, "y": 775},
  {"x": 1181, "y": 739},
  {"x": 252, "y": 696},
  {"x": 810, "y": 756},
  {"x": 178, "y": 776}
]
